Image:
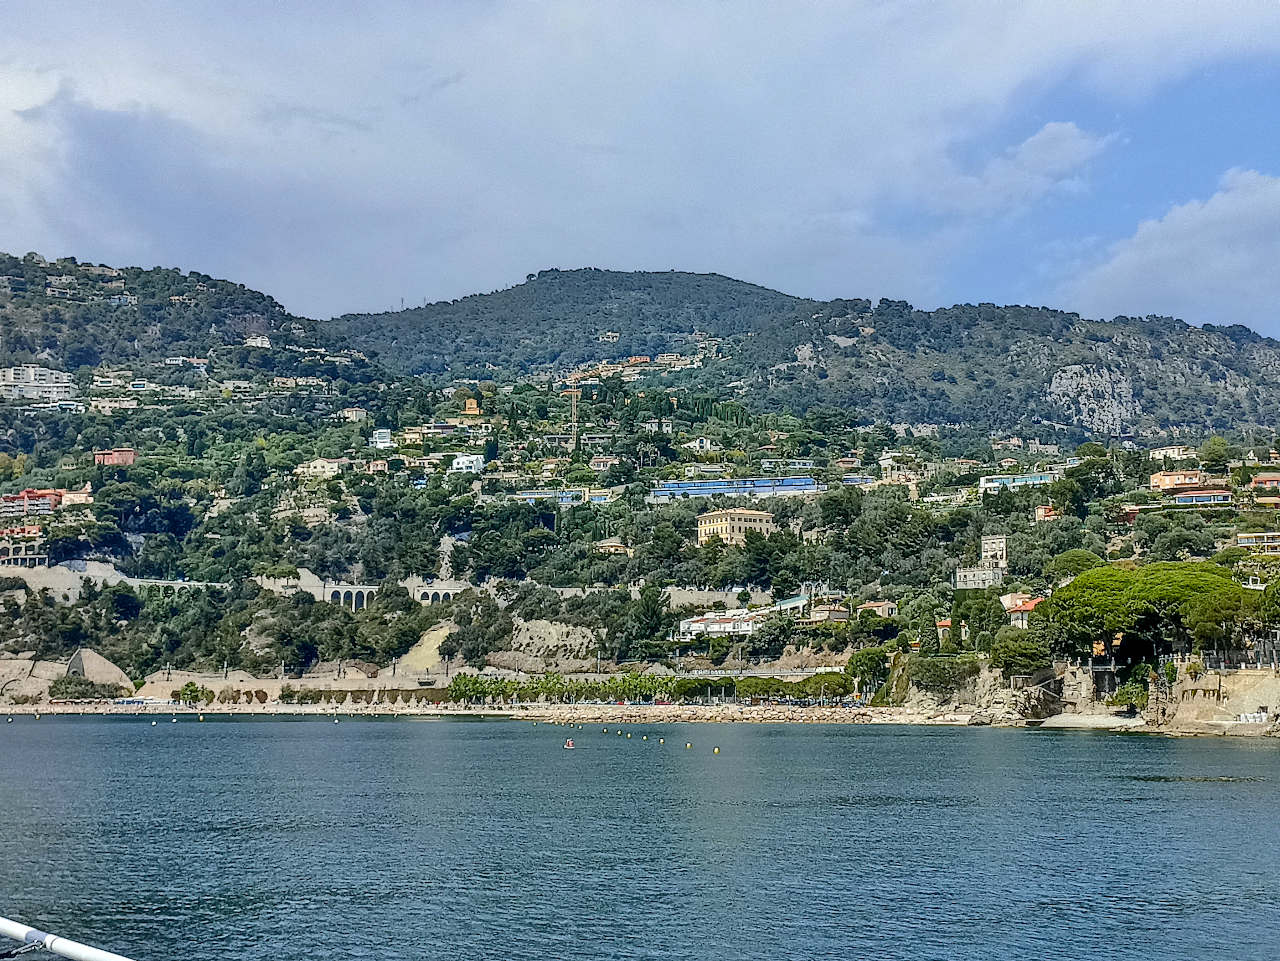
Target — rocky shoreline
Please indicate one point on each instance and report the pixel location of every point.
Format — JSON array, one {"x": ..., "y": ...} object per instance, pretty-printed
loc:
[
  {"x": 576, "y": 714},
  {"x": 550, "y": 713}
]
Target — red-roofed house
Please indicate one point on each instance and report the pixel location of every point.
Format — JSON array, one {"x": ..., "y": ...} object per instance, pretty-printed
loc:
[
  {"x": 1019, "y": 615},
  {"x": 880, "y": 608}
]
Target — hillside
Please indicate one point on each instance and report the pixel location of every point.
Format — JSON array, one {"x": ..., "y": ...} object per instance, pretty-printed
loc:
[
  {"x": 68, "y": 315},
  {"x": 985, "y": 365},
  {"x": 558, "y": 318}
]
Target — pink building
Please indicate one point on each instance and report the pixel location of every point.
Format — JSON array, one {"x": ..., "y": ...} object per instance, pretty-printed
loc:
[{"x": 116, "y": 457}]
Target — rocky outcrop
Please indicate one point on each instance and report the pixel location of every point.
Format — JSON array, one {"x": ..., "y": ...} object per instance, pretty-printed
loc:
[
  {"x": 538, "y": 646},
  {"x": 1096, "y": 397},
  {"x": 1009, "y": 707},
  {"x": 94, "y": 667}
]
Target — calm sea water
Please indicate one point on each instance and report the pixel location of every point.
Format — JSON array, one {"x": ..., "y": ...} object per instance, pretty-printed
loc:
[{"x": 264, "y": 839}]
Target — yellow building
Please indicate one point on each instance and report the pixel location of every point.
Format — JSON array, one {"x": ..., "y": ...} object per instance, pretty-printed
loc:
[
  {"x": 732, "y": 525},
  {"x": 1172, "y": 480}
]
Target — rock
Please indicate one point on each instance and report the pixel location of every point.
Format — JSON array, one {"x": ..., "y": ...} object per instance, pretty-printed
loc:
[
  {"x": 96, "y": 668},
  {"x": 1094, "y": 396}
]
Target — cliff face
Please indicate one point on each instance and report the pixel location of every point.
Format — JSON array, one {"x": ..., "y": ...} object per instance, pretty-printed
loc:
[
  {"x": 538, "y": 646},
  {"x": 1095, "y": 397}
]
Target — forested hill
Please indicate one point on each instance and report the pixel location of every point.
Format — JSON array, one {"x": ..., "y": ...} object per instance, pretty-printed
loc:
[
  {"x": 68, "y": 315},
  {"x": 563, "y": 318},
  {"x": 984, "y": 365}
]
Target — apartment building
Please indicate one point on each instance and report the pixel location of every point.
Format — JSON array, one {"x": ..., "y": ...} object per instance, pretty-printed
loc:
[{"x": 33, "y": 382}]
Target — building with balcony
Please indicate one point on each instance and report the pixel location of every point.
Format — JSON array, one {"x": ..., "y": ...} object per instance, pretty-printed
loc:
[
  {"x": 1260, "y": 542},
  {"x": 1203, "y": 498},
  {"x": 32, "y": 382},
  {"x": 23, "y": 547},
  {"x": 1172, "y": 480},
  {"x": 995, "y": 482},
  {"x": 566, "y": 497}
]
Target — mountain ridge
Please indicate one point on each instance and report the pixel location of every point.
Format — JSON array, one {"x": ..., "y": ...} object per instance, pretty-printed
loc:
[{"x": 981, "y": 364}]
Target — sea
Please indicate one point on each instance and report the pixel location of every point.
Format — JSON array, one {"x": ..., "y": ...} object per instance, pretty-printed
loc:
[{"x": 251, "y": 838}]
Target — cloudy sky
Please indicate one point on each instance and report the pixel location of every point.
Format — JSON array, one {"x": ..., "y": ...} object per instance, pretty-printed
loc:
[{"x": 1104, "y": 157}]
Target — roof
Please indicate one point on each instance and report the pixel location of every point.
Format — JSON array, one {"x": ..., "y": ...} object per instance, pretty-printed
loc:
[{"x": 1026, "y": 607}]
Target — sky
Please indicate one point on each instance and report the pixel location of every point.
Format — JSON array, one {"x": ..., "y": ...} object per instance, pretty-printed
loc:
[{"x": 1107, "y": 158}]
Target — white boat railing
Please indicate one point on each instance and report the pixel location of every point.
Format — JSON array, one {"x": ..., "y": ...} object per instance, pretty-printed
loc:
[{"x": 34, "y": 939}]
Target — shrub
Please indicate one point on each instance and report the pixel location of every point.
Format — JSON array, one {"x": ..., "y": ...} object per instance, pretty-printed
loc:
[
  {"x": 1020, "y": 655},
  {"x": 74, "y": 688},
  {"x": 869, "y": 667},
  {"x": 942, "y": 675},
  {"x": 1129, "y": 694}
]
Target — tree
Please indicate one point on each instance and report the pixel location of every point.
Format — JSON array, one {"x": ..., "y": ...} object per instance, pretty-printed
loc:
[
  {"x": 869, "y": 668},
  {"x": 1216, "y": 453},
  {"x": 1014, "y": 652},
  {"x": 930, "y": 646},
  {"x": 1157, "y": 609},
  {"x": 1071, "y": 564},
  {"x": 249, "y": 474},
  {"x": 773, "y": 635}
]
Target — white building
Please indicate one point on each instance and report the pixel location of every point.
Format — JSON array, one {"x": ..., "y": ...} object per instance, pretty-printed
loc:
[
  {"x": 381, "y": 439},
  {"x": 32, "y": 382},
  {"x": 467, "y": 464},
  {"x": 994, "y": 482},
  {"x": 1173, "y": 452},
  {"x": 703, "y": 445},
  {"x": 995, "y": 549},
  {"x": 978, "y": 578}
]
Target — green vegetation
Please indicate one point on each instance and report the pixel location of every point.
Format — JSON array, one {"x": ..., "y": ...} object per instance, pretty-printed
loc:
[
  {"x": 73, "y": 688},
  {"x": 1014, "y": 653},
  {"x": 943, "y": 675},
  {"x": 259, "y": 462},
  {"x": 1139, "y": 614},
  {"x": 644, "y": 688},
  {"x": 886, "y": 360}
]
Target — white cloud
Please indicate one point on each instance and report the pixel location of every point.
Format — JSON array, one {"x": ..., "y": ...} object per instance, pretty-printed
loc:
[
  {"x": 1211, "y": 261},
  {"x": 359, "y": 154},
  {"x": 1047, "y": 161}
]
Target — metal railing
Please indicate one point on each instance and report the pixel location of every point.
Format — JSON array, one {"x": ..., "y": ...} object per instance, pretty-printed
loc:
[{"x": 35, "y": 940}]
